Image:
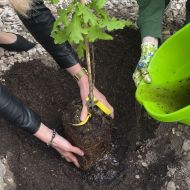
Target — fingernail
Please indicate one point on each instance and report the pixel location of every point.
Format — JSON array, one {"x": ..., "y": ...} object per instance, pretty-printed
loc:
[
  {"x": 82, "y": 118},
  {"x": 82, "y": 154},
  {"x": 77, "y": 165}
]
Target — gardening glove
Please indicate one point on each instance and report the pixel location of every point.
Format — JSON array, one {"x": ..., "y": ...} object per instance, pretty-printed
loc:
[{"x": 141, "y": 72}]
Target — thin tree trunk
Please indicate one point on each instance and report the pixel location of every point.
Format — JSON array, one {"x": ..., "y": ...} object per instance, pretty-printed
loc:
[
  {"x": 91, "y": 96},
  {"x": 87, "y": 47}
]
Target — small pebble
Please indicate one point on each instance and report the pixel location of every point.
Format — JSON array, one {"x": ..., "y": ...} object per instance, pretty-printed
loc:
[
  {"x": 137, "y": 176},
  {"x": 186, "y": 145},
  {"x": 144, "y": 164},
  {"x": 171, "y": 186}
]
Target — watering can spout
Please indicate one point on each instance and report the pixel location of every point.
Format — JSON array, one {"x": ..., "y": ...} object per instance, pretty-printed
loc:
[{"x": 167, "y": 98}]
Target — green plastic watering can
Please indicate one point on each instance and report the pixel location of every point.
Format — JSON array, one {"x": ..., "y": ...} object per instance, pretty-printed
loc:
[{"x": 167, "y": 98}]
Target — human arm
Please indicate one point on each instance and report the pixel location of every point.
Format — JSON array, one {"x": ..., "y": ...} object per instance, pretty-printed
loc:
[
  {"x": 60, "y": 144},
  {"x": 150, "y": 25},
  {"x": 83, "y": 84},
  {"x": 40, "y": 24},
  {"x": 13, "y": 110}
]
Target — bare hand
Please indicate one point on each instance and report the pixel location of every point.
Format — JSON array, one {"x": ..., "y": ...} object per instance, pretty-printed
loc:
[
  {"x": 66, "y": 150},
  {"x": 60, "y": 144},
  {"x": 84, "y": 92}
]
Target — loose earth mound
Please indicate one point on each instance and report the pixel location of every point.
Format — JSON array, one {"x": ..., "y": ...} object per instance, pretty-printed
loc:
[{"x": 49, "y": 91}]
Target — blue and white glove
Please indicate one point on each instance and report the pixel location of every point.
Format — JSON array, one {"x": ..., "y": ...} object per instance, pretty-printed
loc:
[{"x": 148, "y": 49}]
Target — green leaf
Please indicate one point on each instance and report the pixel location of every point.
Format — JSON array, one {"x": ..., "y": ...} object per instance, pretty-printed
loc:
[
  {"x": 99, "y": 4},
  {"x": 78, "y": 21},
  {"x": 56, "y": 25},
  {"x": 64, "y": 17},
  {"x": 55, "y": 1},
  {"x": 112, "y": 24},
  {"x": 103, "y": 14},
  {"x": 75, "y": 31},
  {"x": 87, "y": 15},
  {"x": 65, "y": 13},
  {"x": 95, "y": 33},
  {"x": 129, "y": 23},
  {"x": 80, "y": 50},
  {"x": 71, "y": 8},
  {"x": 59, "y": 37}
]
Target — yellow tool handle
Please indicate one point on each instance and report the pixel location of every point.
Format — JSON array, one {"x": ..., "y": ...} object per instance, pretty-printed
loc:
[
  {"x": 83, "y": 122},
  {"x": 101, "y": 106}
]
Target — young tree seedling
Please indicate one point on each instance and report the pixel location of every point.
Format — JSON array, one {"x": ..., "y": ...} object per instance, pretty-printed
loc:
[{"x": 81, "y": 24}]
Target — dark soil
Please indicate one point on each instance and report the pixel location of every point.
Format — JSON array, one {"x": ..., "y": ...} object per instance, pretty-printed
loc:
[
  {"x": 48, "y": 92},
  {"x": 94, "y": 137}
]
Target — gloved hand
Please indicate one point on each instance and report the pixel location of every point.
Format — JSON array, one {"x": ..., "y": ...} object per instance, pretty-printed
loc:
[{"x": 141, "y": 72}]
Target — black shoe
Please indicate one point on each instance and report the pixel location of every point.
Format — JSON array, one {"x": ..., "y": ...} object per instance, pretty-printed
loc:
[{"x": 21, "y": 44}]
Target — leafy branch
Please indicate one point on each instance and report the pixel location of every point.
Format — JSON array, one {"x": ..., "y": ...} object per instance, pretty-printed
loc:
[
  {"x": 78, "y": 22},
  {"x": 81, "y": 24}
]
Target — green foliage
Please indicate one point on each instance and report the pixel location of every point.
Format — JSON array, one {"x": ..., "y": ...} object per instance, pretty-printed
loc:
[
  {"x": 96, "y": 33},
  {"x": 77, "y": 22},
  {"x": 55, "y": 1}
]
